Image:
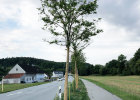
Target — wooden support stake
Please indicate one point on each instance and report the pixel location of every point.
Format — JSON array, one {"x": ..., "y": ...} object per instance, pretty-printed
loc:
[
  {"x": 69, "y": 92},
  {"x": 2, "y": 84}
]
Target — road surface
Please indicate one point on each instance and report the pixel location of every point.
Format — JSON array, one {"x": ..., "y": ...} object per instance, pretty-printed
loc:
[
  {"x": 97, "y": 93},
  {"x": 41, "y": 92}
]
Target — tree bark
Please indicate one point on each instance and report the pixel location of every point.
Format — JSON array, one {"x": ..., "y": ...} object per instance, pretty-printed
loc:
[
  {"x": 76, "y": 75},
  {"x": 75, "y": 70},
  {"x": 66, "y": 76},
  {"x": 77, "y": 78}
]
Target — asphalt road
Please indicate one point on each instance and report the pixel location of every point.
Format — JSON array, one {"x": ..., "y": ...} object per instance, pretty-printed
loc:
[
  {"x": 97, "y": 93},
  {"x": 41, "y": 92}
]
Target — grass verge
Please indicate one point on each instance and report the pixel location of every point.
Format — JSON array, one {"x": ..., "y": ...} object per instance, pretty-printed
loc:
[
  {"x": 115, "y": 90},
  {"x": 79, "y": 94},
  {"x": 12, "y": 87}
]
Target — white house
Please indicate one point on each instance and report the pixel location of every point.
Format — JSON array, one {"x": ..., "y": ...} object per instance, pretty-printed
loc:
[
  {"x": 24, "y": 74},
  {"x": 57, "y": 74}
]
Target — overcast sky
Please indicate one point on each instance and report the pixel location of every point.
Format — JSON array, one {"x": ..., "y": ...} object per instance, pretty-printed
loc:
[{"x": 21, "y": 33}]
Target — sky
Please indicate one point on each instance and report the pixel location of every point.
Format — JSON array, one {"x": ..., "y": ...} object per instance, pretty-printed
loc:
[{"x": 21, "y": 33}]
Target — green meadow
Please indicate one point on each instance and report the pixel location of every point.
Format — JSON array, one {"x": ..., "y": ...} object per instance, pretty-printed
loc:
[{"x": 125, "y": 87}]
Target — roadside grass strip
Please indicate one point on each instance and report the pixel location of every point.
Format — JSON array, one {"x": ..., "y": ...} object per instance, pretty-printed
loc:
[
  {"x": 73, "y": 94},
  {"x": 80, "y": 93},
  {"x": 115, "y": 90},
  {"x": 12, "y": 87}
]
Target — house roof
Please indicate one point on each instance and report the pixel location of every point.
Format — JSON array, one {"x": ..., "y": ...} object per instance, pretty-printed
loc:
[
  {"x": 58, "y": 72},
  {"x": 31, "y": 69},
  {"x": 13, "y": 76}
]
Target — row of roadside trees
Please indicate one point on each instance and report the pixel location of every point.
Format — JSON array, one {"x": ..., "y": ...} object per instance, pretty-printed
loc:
[{"x": 67, "y": 21}]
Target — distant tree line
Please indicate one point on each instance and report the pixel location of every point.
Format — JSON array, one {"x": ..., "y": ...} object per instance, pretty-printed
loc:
[{"x": 118, "y": 66}]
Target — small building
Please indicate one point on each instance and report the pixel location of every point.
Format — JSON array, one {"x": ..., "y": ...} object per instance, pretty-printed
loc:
[
  {"x": 24, "y": 74},
  {"x": 57, "y": 74}
]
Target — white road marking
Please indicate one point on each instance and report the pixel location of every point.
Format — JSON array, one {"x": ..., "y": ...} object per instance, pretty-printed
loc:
[{"x": 14, "y": 93}]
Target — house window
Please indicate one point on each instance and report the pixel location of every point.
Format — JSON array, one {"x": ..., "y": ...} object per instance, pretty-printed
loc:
[{"x": 16, "y": 69}]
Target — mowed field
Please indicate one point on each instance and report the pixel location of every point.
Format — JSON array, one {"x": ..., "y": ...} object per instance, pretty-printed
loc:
[{"x": 126, "y": 87}]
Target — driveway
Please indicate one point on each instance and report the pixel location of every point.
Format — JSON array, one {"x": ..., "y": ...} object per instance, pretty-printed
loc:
[
  {"x": 97, "y": 93},
  {"x": 41, "y": 92}
]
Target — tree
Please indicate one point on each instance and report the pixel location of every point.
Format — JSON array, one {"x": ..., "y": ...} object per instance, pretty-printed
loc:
[
  {"x": 112, "y": 67},
  {"x": 97, "y": 68},
  {"x": 137, "y": 55},
  {"x": 90, "y": 69},
  {"x": 137, "y": 67},
  {"x": 121, "y": 63},
  {"x": 78, "y": 60},
  {"x": 67, "y": 14},
  {"x": 2, "y": 72},
  {"x": 134, "y": 63},
  {"x": 102, "y": 71}
]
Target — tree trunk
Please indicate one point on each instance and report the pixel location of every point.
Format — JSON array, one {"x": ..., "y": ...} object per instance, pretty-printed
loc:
[
  {"x": 75, "y": 71},
  {"x": 76, "y": 75},
  {"x": 77, "y": 78},
  {"x": 66, "y": 76}
]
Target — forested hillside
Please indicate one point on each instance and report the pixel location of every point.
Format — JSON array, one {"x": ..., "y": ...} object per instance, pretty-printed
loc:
[{"x": 47, "y": 66}]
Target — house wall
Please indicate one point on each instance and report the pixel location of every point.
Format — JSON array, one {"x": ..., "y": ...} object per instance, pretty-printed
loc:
[
  {"x": 23, "y": 78},
  {"x": 57, "y": 75},
  {"x": 40, "y": 77},
  {"x": 28, "y": 78},
  {"x": 16, "y": 69},
  {"x": 13, "y": 80},
  {"x": 53, "y": 74},
  {"x": 60, "y": 75}
]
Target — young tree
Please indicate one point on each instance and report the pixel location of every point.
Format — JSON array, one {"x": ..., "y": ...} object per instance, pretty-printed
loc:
[
  {"x": 77, "y": 60},
  {"x": 63, "y": 18},
  {"x": 79, "y": 43}
]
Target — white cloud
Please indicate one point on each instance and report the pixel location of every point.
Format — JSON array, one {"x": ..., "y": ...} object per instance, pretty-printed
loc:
[
  {"x": 26, "y": 39},
  {"x": 115, "y": 40}
]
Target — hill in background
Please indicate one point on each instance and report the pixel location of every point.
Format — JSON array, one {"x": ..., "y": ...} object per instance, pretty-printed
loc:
[{"x": 47, "y": 66}]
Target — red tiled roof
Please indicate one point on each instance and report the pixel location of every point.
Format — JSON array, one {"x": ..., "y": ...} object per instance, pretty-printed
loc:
[{"x": 13, "y": 75}]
